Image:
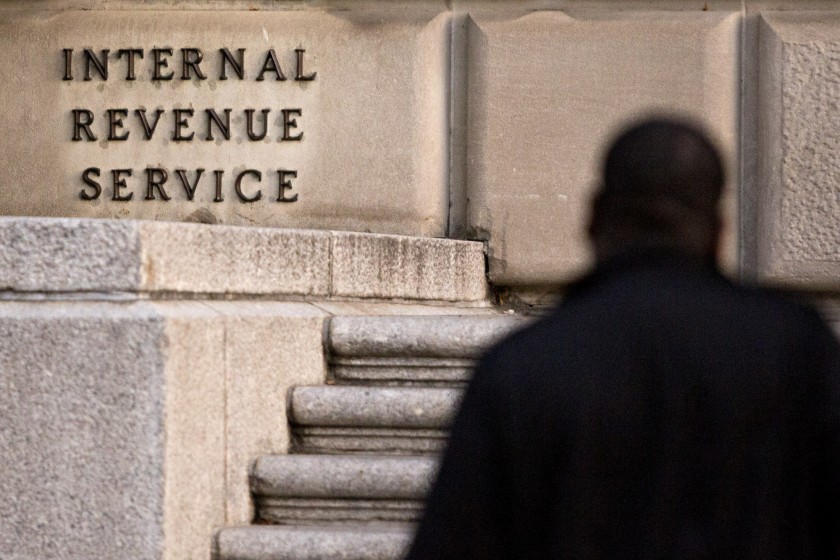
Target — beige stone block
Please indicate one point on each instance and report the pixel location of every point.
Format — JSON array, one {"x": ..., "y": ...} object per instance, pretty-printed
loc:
[
  {"x": 194, "y": 482},
  {"x": 798, "y": 151},
  {"x": 378, "y": 266},
  {"x": 233, "y": 260},
  {"x": 548, "y": 90},
  {"x": 269, "y": 347},
  {"x": 373, "y": 155}
]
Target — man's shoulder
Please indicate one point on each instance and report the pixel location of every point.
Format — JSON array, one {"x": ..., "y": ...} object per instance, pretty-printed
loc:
[{"x": 704, "y": 303}]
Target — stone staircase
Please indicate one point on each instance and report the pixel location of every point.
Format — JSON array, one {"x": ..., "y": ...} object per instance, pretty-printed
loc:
[{"x": 365, "y": 445}]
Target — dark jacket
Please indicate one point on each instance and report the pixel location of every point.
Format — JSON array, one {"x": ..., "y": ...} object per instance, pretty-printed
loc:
[{"x": 660, "y": 412}]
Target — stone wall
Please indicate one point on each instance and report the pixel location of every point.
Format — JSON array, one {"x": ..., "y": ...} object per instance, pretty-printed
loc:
[{"x": 470, "y": 119}]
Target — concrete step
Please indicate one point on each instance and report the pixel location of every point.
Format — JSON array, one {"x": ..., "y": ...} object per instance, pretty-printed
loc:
[
  {"x": 437, "y": 350},
  {"x": 261, "y": 542},
  {"x": 306, "y": 489},
  {"x": 353, "y": 419}
]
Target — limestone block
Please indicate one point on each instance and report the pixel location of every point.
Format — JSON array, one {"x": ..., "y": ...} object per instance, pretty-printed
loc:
[
  {"x": 269, "y": 348},
  {"x": 39, "y": 255},
  {"x": 355, "y": 137},
  {"x": 798, "y": 151},
  {"x": 194, "y": 482},
  {"x": 233, "y": 260},
  {"x": 547, "y": 90},
  {"x": 111, "y": 431},
  {"x": 377, "y": 266}
]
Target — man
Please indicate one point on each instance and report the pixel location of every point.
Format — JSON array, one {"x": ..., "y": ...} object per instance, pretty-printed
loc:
[{"x": 661, "y": 411}]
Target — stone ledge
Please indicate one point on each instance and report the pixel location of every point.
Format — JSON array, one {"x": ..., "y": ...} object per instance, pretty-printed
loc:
[
  {"x": 381, "y": 407},
  {"x": 366, "y": 542},
  {"x": 417, "y": 337},
  {"x": 343, "y": 477},
  {"x": 70, "y": 255}
]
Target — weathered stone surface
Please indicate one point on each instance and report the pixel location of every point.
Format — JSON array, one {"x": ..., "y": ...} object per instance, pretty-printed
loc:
[
  {"x": 412, "y": 350},
  {"x": 409, "y": 268},
  {"x": 113, "y": 428},
  {"x": 335, "y": 477},
  {"x": 364, "y": 542},
  {"x": 81, "y": 255},
  {"x": 547, "y": 90},
  {"x": 107, "y": 256},
  {"x": 798, "y": 151},
  {"x": 373, "y": 406},
  {"x": 82, "y": 433},
  {"x": 373, "y": 155},
  {"x": 417, "y": 336},
  {"x": 269, "y": 347},
  {"x": 194, "y": 420},
  {"x": 127, "y": 429},
  {"x": 69, "y": 255},
  {"x": 233, "y": 260}
]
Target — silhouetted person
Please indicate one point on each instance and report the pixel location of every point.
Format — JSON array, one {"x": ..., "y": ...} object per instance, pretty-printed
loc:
[{"x": 660, "y": 411}]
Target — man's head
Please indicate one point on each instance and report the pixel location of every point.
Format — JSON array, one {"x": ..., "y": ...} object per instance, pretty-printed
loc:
[{"x": 662, "y": 180}]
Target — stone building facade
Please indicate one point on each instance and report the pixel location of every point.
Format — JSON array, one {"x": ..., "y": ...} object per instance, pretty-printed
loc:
[{"x": 238, "y": 229}]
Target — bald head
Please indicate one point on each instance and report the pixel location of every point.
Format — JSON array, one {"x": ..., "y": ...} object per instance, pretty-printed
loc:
[{"x": 662, "y": 181}]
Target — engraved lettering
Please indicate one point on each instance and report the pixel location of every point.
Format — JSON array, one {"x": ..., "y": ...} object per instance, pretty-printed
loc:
[
  {"x": 119, "y": 184},
  {"x": 290, "y": 123},
  {"x": 223, "y": 126},
  {"x": 249, "y": 118},
  {"x": 273, "y": 65},
  {"x": 97, "y": 188},
  {"x": 299, "y": 75},
  {"x": 188, "y": 188},
  {"x": 68, "y": 64},
  {"x": 160, "y": 63},
  {"x": 285, "y": 184},
  {"x": 115, "y": 122},
  {"x": 191, "y": 58},
  {"x": 130, "y": 54},
  {"x": 82, "y": 119},
  {"x": 181, "y": 123},
  {"x": 219, "y": 196},
  {"x": 148, "y": 129},
  {"x": 238, "y": 66},
  {"x": 238, "y": 186},
  {"x": 155, "y": 178},
  {"x": 100, "y": 65}
]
